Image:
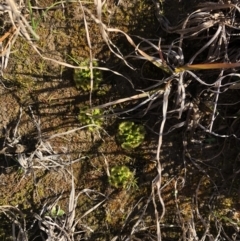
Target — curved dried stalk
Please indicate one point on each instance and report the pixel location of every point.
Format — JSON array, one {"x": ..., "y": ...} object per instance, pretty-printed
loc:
[
  {"x": 20, "y": 26},
  {"x": 17, "y": 218},
  {"x": 64, "y": 227}
]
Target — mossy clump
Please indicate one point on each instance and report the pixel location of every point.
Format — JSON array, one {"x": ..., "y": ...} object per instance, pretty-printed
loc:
[
  {"x": 82, "y": 77},
  {"x": 122, "y": 177},
  {"x": 130, "y": 135},
  {"x": 88, "y": 117}
]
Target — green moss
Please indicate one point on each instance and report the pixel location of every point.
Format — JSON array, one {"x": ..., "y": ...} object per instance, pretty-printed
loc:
[
  {"x": 130, "y": 135},
  {"x": 82, "y": 77},
  {"x": 122, "y": 177},
  {"x": 87, "y": 117},
  {"x": 59, "y": 15},
  {"x": 103, "y": 90}
]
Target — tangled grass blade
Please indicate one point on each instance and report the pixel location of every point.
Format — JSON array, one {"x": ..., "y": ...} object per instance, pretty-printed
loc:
[{"x": 207, "y": 66}]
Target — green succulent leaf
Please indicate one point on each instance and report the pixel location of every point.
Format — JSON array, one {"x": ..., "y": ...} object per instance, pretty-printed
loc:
[{"x": 56, "y": 211}]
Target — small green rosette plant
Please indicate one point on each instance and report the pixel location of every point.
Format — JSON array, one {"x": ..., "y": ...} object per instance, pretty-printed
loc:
[
  {"x": 130, "y": 135},
  {"x": 87, "y": 117},
  {"x": 122, "y": 177},
  {"x": 82, "y": 77}
]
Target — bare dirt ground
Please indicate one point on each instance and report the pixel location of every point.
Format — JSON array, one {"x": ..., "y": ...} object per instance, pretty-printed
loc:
[{"x": 39, "y": 101}]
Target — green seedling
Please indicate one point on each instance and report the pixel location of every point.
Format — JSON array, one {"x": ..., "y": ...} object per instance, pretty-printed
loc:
[
  {"x": 56, "y": 212},
  {"x": 82, "y": 77},
  {"x": 34, "y": 22},
  {"x": 130, "y": 135},
  {"x": 87, "y": 117},
  {"x": 122, "y": 177}
]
